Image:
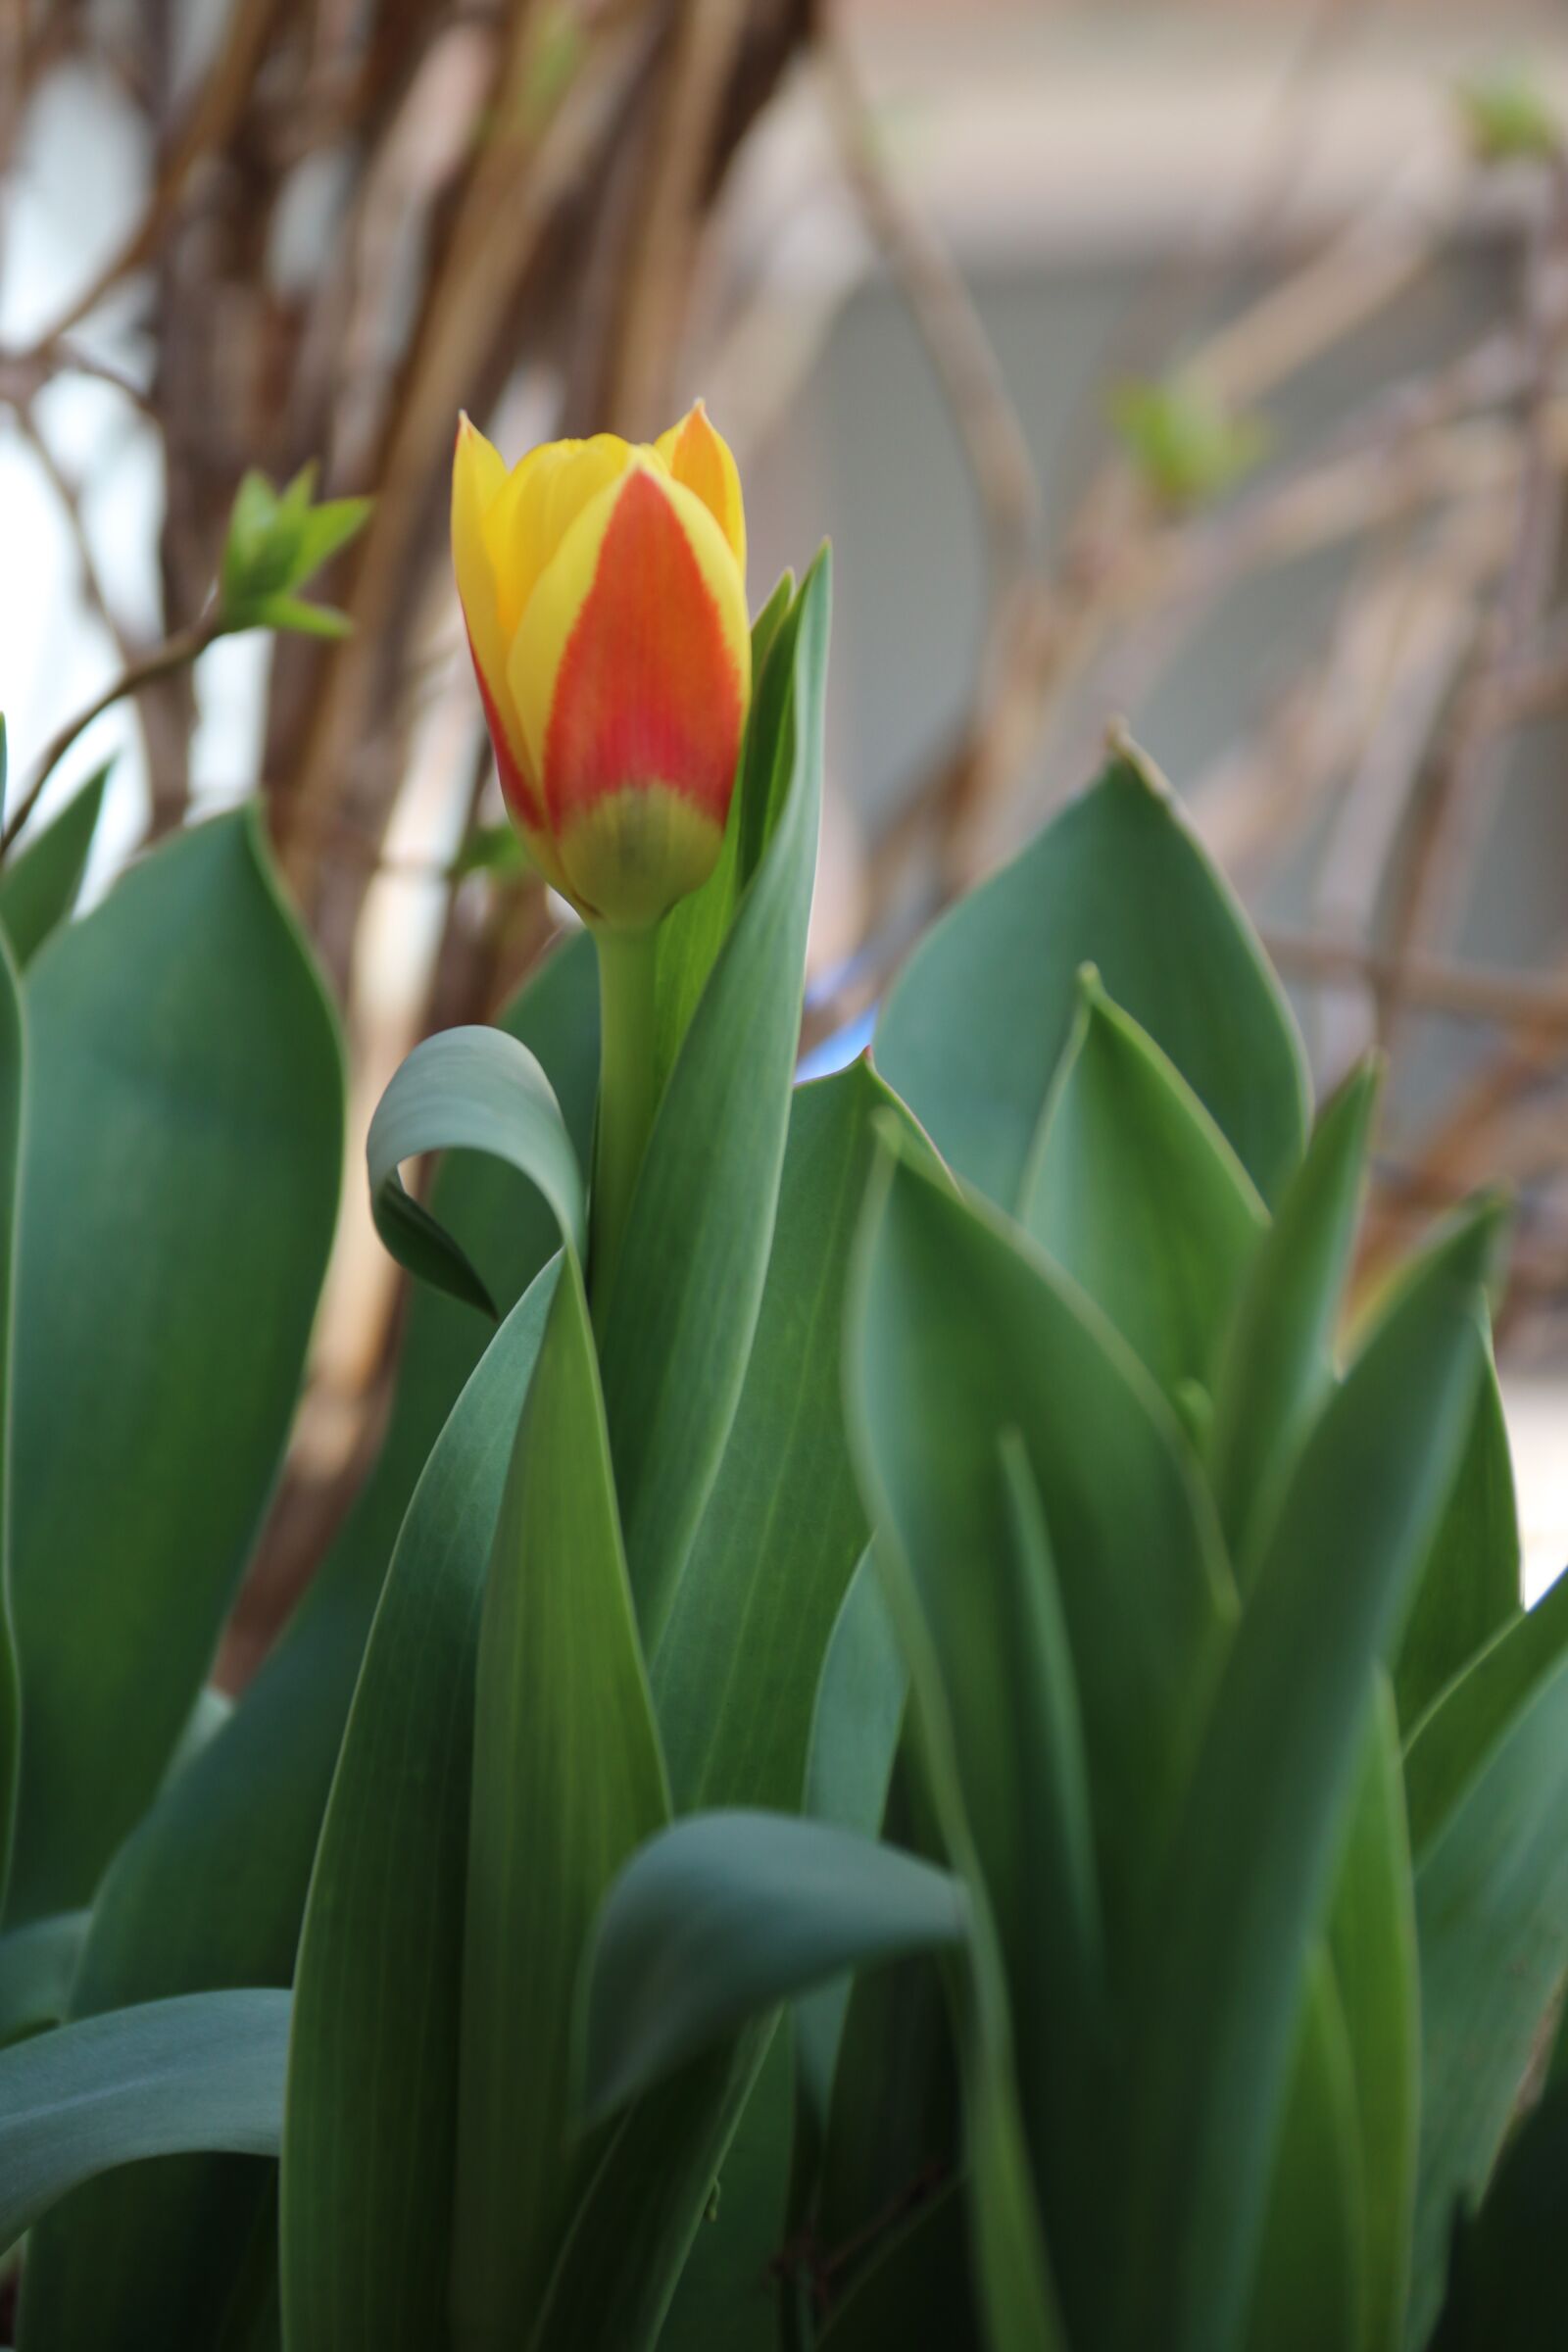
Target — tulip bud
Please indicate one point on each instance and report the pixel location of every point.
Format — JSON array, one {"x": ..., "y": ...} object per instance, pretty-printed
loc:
[{"x": 604, "y": 593}]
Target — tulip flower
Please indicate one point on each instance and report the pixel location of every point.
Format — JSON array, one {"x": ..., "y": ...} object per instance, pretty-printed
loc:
[{"x": 603, "y": 587}]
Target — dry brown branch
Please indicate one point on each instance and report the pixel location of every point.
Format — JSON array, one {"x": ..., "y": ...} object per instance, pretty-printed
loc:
[
  {"x": 655, "y": 269},
  {"x": 204, "y": 133}
]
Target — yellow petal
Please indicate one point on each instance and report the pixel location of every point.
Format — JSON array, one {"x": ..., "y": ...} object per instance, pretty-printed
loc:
[
  {"x": 541, "y": 500},
  {"x": 478, "y": 477},
  {"x": 700, "y": 459}
]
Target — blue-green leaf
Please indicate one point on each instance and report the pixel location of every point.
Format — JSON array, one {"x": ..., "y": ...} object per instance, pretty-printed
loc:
[
  {"x": 477, "y": 1089},
  {"x": 974, "y": 1029},
  {"x": 366, "y": 2208},
  {"x": 38, "y": 886},
  {"x": 1278, "y": 1366},
  {"x": 689, "y": 1280},
  {"x": 567, "y": 1781},
  {"x": 206, "y": 2072},
  {"x": 1491, "y": 1920},
  {"x": 723, "y": 1916},
  {"x": 736, "y": 1672},
  {"x": 180, "y": 1169},
  {"x": 1251, "y": 1870},
  {"x": 37, "y": 1965},
  {"x": 1132, "y": 1189},
  {"x": 211, "y": 1889}
]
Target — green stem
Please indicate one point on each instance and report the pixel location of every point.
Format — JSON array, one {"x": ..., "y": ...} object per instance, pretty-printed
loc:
[{"x": 628, "y": 1096}]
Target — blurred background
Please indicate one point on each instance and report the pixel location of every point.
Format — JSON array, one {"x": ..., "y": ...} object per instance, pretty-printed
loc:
[{"x": 1198, "y": 365}]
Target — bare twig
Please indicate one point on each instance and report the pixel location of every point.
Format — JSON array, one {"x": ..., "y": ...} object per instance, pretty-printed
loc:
[{"x": 174, "y": 654}]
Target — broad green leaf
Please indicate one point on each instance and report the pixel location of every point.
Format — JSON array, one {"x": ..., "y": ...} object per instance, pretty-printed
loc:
[
  {"x": 975, "y": 1027},
  {"x": 371, "y": 2119},
  {"x": 1132, "y": 1189},
  {"x": 1453, "y": 1738},
  {"x": 693, "y": 932},
  {"x": 961, "y": 1332},
  {"x": 1469, "y": 1588},
  {"x": 892, "y": 2102},
  {"x": 1014, "y": 2283},
  {"x": 735, "y": 1674},
  {"x": 1373, "y": 1950},
  {"x": 916, "y": 2290},
  {"x": 12, "y": 1102},
  {"x": 631, "y": 2234},
  {"x": 477, "y": 1089},
  {"x": 37, "y": 1964},
  {"x": 38, "y": 887},
  {"x": 211, "y": 1889},
  {"x": 1492, "y": 1921},
  {"x": 854, "y": 1737},
  {"x": 179, "y": 1184},
  {"x": 730, "y": 2289},
  {"x": 689, "y": 1280},
  {"x": 1311, "y": 2264},
  {"x": 1268, "y": 1803},
  {"x": 723, "y": 1916},
  {"x": 206, "y": 2072},
  {"x": 567, "y": 1781},
  {"x": 1278, "y": 1366}
]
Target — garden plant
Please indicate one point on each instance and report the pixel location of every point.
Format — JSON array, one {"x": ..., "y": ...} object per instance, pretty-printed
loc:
[{"x": 922, "y": 1732}]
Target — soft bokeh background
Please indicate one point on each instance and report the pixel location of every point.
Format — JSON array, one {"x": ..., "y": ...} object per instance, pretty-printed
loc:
[{"x": 1199, "y": 364}]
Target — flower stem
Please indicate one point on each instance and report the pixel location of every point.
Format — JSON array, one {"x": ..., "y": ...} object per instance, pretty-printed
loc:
[{"x": 627, "y": 1096}]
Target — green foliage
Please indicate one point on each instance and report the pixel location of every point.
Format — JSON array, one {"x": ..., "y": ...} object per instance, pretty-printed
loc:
[
  {"x": 370, "y": 2131},
  {"x": 949, "y": 1766},
  {"x": 206, "y": 2072},
  {"x": 179, "y": 1181},
  {"x": 1185, "y": 444},
  {"x": 277, "y": 540},
  {"x": 1507, "y": 118},
  {"x": 39, "y": 886}
]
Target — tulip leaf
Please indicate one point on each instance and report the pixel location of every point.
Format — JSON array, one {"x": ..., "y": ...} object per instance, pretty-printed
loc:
[
  {"x": 962, "y": 1331},
  {"x": 11, "y": 1099},
  {"x": 736, "y": 1671},
  {"x": 1452, "y": 1739},
  {"x": 1268, "y": 1803},
  {"x": 692, "y": 1261},
  {"x": 729, "y": 2289},
  {"x": 694, "y": 930},
  {"x": 974, "y": 1029},
  {"x": 1372, "y": 1945},
  {"x": 366, "y": 2205},
  {"x": 37, "y": 1965},
  {"x": 1132, "y": 1189},
  {"x": 1278, "y": 1366},
  {"x": 567, "y": 1780},
  {"x": 855, "y": 1736},
  {"x": 633, "y": 2228},
  {"x": 179, "y": 1188},
  {"x": 1309, "y": 2283},
  {"x": 211, "y": 1889},
  {"x": 1491, "y": 1918},
  {"x": 204, "y": 2072},
  {"x": 1469, "y": 1587},
  {"x": 38, "y": 886},
  {"x": 724, "y": 1916},
  {"x": 483, "y": 1091}
]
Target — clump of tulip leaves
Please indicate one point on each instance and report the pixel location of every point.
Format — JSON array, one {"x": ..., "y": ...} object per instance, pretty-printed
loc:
[{"x": 955, "y": 1760}]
